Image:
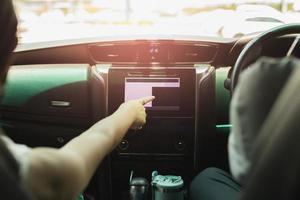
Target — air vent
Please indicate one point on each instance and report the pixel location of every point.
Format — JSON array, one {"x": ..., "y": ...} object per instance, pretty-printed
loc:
[
  {"x": 113, "y": 53},
  {"x": 192, "y": 53}
]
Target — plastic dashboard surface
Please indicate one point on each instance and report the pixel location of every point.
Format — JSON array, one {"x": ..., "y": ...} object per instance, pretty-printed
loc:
[
  {"x": 46, "y": 105},
  {"x": 47, "y": 90}
]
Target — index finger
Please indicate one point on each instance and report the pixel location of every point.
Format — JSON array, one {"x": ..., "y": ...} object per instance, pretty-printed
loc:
[{"x": 146, "y": 100}]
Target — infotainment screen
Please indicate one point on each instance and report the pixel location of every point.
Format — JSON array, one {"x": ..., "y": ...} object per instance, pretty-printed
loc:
[
  {"x": 166, "y": 91},
  {"x": 174, "y": 90}
]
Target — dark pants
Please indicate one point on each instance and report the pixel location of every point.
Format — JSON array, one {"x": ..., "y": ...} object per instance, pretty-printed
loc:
[{"x": 214, "y": 184}]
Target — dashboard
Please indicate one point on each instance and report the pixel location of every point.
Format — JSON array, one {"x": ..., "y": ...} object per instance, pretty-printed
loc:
[
  {"x": 57, "y": 90},
  {"x": 153, "y": 52}
]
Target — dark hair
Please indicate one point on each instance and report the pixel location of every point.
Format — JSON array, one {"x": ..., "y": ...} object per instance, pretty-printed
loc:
[
  {"x": 8, "y": 38},
  {"x": 8, "y": 41}
]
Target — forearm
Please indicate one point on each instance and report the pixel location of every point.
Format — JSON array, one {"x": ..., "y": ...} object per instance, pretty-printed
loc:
[
  {"x": 77, "y": 161},
  {"x": 116, "y": 125},
  {"x": 95, "y": 143}
]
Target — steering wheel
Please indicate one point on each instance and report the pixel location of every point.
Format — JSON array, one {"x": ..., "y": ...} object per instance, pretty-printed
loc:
[{"x": 248, "y": 54}]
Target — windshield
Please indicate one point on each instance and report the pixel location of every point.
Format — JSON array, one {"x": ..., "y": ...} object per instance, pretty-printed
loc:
[{"x": 49, "y": 20}]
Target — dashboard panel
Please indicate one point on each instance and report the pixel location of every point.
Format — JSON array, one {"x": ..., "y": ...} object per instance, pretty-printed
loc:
[
  {"x": 153, "y": 52},
  {"x": 48, "y": 90}
]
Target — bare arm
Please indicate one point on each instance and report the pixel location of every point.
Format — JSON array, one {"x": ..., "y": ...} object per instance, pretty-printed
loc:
[{"x": 63, "y": 173}]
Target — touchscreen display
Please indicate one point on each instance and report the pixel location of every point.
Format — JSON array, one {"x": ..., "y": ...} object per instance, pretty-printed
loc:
[{"x": 165, "y": 90}]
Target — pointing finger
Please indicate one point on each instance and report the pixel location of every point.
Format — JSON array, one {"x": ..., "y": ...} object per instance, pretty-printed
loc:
[{"x": 146, "y": 100}]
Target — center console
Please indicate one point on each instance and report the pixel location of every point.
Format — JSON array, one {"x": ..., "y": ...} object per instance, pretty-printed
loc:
[
  {"x": 169, "y": 141},
  {"x": 170, "y": 123}
]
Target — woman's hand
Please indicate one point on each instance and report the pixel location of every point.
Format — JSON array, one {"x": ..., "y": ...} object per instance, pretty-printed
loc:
[{"x": 137, "y": 107}]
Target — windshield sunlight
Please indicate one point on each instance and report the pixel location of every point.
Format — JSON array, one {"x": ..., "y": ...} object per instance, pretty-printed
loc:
[{"x": 49, "y": 20}]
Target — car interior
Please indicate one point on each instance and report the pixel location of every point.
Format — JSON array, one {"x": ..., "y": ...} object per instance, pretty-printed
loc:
[{"x": 56, "y": 90}]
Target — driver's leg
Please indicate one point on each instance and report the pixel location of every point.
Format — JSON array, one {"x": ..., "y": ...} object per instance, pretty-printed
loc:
[{"x": 214, "y": 184}]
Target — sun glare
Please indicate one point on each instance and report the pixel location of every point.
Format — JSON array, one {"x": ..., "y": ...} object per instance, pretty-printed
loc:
[{"x": 47, "y": 20}]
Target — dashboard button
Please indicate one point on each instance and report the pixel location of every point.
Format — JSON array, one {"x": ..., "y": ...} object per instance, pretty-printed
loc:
[
  {"x": 180, "y": 145},
  {"x": 124, "y": 144},
  {"x": 61, "y": 140}
]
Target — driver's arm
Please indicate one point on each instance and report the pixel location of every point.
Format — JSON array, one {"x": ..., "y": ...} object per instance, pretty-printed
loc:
[{"x": 63, "y": 173}]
